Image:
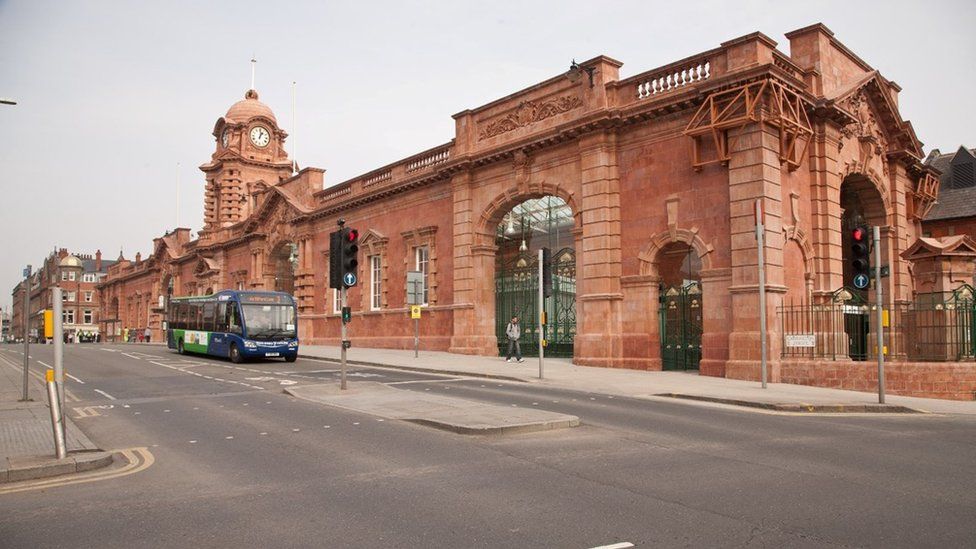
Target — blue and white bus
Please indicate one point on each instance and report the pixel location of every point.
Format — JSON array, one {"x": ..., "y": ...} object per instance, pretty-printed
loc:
[{"x": 234, "y": 324}]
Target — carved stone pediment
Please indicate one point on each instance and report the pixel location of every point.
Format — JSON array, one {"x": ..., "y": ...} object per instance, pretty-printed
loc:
[{"x": 529, "y": 112}]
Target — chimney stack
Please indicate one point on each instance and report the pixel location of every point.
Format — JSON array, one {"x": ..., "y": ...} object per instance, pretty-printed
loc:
[{"x": 98, "y": 261}]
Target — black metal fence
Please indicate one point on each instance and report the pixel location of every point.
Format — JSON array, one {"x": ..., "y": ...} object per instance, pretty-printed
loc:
[{"x": 935, "y": 327}]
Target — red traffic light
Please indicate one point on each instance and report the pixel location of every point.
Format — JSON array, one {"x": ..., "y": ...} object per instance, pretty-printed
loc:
[
  {"x": 859, "y": 234},
  {"x": 352, "y": 235}
]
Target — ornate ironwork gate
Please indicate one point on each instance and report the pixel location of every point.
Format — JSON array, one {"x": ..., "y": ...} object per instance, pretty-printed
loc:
[
  {"x": 680, "y": 316},
  {"x": 517, "y": 294}
]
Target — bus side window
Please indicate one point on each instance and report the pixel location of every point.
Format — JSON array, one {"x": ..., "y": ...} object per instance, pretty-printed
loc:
[
  {"x": 208, "y": 316},
  {"x": 234, "y": 320},
  {"x": 221, "y": 318}
]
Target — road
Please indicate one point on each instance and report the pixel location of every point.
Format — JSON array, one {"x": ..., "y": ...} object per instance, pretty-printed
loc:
[{"x": 239, "y": 463}]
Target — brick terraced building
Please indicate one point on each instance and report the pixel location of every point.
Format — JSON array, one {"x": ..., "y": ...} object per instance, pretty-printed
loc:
[{"x": 644, "y": 188}]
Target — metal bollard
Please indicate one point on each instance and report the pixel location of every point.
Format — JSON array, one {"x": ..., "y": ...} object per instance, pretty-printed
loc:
[{"x": 57, "y": 420}]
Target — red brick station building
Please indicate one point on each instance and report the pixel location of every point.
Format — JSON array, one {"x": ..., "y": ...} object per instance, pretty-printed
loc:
[{"x": 644, "y": 189}]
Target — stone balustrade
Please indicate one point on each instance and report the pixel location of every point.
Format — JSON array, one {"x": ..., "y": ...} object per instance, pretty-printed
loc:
[
  {"x": 655, "y": 82},
  {"x": 430, "y": 158}
]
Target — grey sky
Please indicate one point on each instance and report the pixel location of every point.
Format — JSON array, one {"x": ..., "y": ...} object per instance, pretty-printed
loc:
[{"x": 113, "y": 94}]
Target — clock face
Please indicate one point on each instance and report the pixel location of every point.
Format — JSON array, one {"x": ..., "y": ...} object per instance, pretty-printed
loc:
[
  {"x": 260, "y": 136},
  {"x": 225, "y": 138}
]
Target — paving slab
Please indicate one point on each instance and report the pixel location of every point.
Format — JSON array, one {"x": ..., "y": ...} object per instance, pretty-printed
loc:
[{"x": 452, "y": 414}]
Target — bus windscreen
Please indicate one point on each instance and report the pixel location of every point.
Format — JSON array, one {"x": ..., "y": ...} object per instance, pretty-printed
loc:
[{"x": 269, "y": 321}]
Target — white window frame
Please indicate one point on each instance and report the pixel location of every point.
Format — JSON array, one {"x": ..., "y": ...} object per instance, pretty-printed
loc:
[
  {"x": 88, "y": 277},
  {"x": 68, "y": 316},
  {"x": 336, "y": 302},
  {"x": 375, "y": 282},
  {"x": 64, "y": 276},
  {"x": 88, "y": 316},
  {"x": 89, "y": 296},
  {"x": 70, "y": 297},
  {"x": 422, "y": 264},
  {"x": 71, "y": 276}
]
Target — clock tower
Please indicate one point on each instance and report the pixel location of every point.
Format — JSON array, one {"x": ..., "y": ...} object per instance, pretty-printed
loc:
[{"x": 249, "y": 157}]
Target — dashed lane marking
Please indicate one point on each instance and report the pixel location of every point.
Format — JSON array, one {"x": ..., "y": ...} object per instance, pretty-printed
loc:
[
  {"x": 106, "y": 395},
  {"x": 138, "y": 459},
  {"x": 69, "y": 396},
  {"x": 622, "y": 545},
  {"x": 197, "y": 374}
]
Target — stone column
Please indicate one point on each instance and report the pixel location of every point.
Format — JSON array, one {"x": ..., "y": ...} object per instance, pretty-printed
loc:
[
  {"x": 716, "y": 321},
  {"x": 641, "y": 328},
  {"x": 599, "y": 299},
  {"x": 826, "y": 235},
  {"x": 474, "y": 276},
  {"x": 754, "y": 173}
]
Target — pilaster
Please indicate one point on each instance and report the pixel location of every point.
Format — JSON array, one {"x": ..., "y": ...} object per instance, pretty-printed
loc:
[{"x": 599, "y": 299}]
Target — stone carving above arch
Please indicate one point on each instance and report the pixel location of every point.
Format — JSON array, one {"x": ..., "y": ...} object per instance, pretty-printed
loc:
[
  {"x": 871, "y": 154},
  {"x": 880, "y": 185},
  {"x": 649, "y": 254},
  {"x": 799, "y": 236}
]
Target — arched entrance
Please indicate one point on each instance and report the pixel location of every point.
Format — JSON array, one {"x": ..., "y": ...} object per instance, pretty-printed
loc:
[
  {"x": 861, "y": 204},
  {"x": 285, "y": 260},
  {"x": 545, "y": 222},
  {"x": 680, "y": 311}
]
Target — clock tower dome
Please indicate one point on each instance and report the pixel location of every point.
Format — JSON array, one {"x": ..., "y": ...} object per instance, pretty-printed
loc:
[{"x": 249, "y": 157}]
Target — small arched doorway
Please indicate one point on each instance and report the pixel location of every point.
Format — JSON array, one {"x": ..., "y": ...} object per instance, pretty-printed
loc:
[
  {"x": 680, "y": 311},
  {"x": 861, "y": 204},
  {"x": 285, "y": 261},
  {"x": 537, "y": 223}
]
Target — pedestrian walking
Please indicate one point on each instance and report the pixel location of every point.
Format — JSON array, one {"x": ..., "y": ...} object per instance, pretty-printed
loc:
[
  {"x": 513, "y": 331},
  {"x": 148, "y": 334},
  {"x": 125, "y": 335}
]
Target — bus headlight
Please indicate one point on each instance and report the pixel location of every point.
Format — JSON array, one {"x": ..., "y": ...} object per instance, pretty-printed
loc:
[
  {"x": 250, "y": 345},
  {"x": 293, "y": 343}
]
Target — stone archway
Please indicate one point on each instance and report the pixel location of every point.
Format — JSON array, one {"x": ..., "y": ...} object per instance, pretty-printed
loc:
[
  {"x": 525, "y": 230},
  {"x": 861, "y": 203},
  {"x": 676, "y": 280},
  {"x": 475, "y": 265},
  {"x": 284, "y": 264}
]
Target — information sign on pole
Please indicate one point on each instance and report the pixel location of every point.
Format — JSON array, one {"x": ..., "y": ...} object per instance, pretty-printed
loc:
[{"x": 415, "y": 311}]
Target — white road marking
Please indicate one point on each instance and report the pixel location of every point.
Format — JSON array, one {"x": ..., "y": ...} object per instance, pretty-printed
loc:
[
  {"x": 295, "y": 430},
  {"x": 74, "y": 378},
  {"x": 229, "y": 438},
  {"x": 622, "y": 545},
  {"x": 262, "y": 433},
  {"x": 110, "y": 397},
  {"x": 326, "y": 426},
  {"x": 193, "y": 442},
  {"x": 355, "y": 423}
]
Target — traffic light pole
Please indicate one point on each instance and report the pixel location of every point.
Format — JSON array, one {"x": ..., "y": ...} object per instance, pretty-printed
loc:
[
  {"x": 26, "y": 318},
  {"x": 880, "y": 305},
  {"x": 542, "y": 316},
  {"x": 342, "y": 376}
]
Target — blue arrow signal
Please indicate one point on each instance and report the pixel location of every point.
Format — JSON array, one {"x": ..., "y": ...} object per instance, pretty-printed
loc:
[
  {"x": 861, "y": 281},
  {"x": 349, "y": 279}
]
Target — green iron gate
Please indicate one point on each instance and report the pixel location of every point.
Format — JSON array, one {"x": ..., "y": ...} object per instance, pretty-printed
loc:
[
  {"x": 517, "y": 294},
  {"x": 680, "y": 315}
]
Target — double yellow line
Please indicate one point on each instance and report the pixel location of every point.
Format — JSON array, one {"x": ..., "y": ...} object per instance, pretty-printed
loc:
[{"x": 138, "y": 459}]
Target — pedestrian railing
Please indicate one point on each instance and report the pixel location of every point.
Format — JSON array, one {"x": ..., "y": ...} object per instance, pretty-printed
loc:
[{"x": 936, "y": 327}]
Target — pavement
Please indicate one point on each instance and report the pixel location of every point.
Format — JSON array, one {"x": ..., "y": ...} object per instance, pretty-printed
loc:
[
  {"x": 26, "y": 437},
  {"x": 683, "y": 386}
]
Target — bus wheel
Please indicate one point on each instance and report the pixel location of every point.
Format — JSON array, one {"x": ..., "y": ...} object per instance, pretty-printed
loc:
[
  {"x": 179, "y": 347},
  {"x": 291, "y": 358},
  {"x": 235, "y": 354}
]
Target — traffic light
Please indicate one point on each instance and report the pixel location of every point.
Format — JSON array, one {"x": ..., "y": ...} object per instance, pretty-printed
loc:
[
  {"x": 343, "y": 260},
  {"x": 860, "y": 257},
  {"x": 546, "y": 272}
]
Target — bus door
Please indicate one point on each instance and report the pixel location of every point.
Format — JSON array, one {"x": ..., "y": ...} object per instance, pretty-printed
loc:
[{"x": 219, "y": 342}]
